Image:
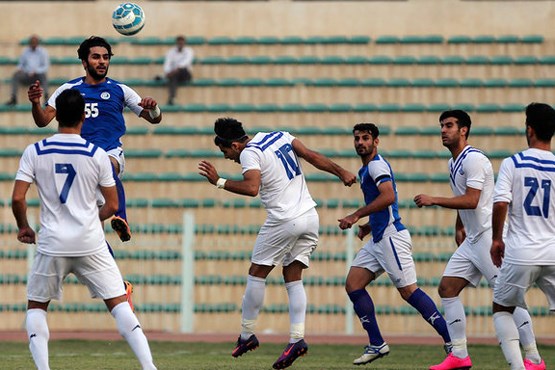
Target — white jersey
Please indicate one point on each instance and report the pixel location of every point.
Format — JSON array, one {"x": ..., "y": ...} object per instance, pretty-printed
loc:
[
  {"x": 526, "y": 181},
  {"x": 472, "y": 169},
  {"x": 283, "y": 189},
  {"x": 67, "y": 170}
]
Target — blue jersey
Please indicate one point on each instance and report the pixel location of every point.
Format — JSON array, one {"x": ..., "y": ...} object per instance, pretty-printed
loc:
[
  {"x": 371, "y": 176},
  {"x": 104, "y": 104}
]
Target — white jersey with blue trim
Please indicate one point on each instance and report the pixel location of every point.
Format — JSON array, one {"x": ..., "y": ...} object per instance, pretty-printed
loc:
[
  {"x": 104, "y": 104},
  {"x": 283, "y": 189},
  {"x": 67, "y": 170},
  {"x": 526, "y": 182},
  {"x": 472, "y": 169}
]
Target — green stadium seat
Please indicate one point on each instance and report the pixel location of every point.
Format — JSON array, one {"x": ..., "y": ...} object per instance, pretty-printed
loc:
[
  {"x": 546, "y": 59},
  {"x": 525, "y": 59},
  {"x": 545, "y": 82},
  {"x": 340, "y": 107},
  {"x": 507, "y": 39},
  {"x": 471, "y": 82},
  {"x": 495, "y": 82},
  {"x": 332, "y": 59},
  {"x": 220, "y": 40},
  {"x": 143, "y": 153},
  {"x": 477, "y": 59},
  {"x": 398, "y": 82},
  {"x": 358, "y": 39},
  {"x": 532, "y": 39},
  {"x": 521, "y": 82},
  {"x": 488, "y": 108},
  {"x": 459, "y": 39},
  {"x": 285, "y": 59},
  {"x": 260, "y": 59},
  {"x": 428, "y": 59},
  {"x": 213, "y": 60},
  {"x": 268, "y": 40},
  {"x": 408, "y": 130},
  {"x": 512, "y": 107},
  {"x": 373, "y": 82},
  {"x": 501, "y": 59},
  {"x": 423, "y": 82},
  {"x": 446, "y": 82},
  {"x": 453, "y": 59},
  {"x": 438, "y": 107},
  {"x": 292, "y": 40},
  {"x": 387, "y": 39},
  {"x": 414, "y": 107},
  {"x": 380, "y": 59},
  {"x": 237, "y": 59},
  {"x": 244, "y": 40},
  {"x": 484, "y": 39},
  {"x": 404, "y": 59},
  {"x": 421, "y": 39},
  {"x": 389, "y": 107}
]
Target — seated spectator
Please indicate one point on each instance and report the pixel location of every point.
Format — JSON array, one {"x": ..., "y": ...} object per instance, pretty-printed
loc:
[
  {"x": 33, "y": 65},
  {"x": 178, "y": 66}
]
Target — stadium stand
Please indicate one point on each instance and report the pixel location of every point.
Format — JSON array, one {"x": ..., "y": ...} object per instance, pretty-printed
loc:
[{"x": 316, "y": 86}]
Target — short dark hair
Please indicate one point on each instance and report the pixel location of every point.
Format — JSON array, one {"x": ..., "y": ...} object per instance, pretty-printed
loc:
[
  {"x": 541, "y": 117},
  {"x": 368, "y": 127},
  {"x": 228, "y": 130},
  {"x": 70, "y": 107},
  {"x": 463, "y": 119},
  {"x": 85, "y": 47}
]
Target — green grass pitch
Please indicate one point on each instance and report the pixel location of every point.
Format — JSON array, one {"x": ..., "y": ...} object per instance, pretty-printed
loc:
[{"x": 116, "y": 355}]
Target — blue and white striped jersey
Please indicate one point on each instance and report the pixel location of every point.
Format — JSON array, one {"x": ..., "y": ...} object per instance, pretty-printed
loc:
[
  {"x": 283, "y": 190},
  {"x": 472, "y": 169},
  {"x": 371, "y": 176},
  {"x": 104, "y": 104},
  {"x": 67, "y": 170},
  {"x": 526, "y": 181}
]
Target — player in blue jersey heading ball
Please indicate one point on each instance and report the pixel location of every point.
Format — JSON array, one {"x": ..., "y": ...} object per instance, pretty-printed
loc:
[{"x": 105, "y": 100}]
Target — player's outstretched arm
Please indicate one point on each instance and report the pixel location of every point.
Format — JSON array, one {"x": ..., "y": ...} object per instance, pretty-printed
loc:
[
  {"x": 323, "y": 163},
  {"x": 42, "y": 117},
  {"x": 151, "y": 111},
  {"x": 248, "y": 186},
  {"x": 382, "y": 201}
]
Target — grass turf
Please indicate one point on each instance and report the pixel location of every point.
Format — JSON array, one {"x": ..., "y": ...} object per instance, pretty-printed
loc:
[{"x": 84, "y": 355}]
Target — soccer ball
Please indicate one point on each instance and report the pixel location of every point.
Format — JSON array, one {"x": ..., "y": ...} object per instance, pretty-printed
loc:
[{"x": 128, "y": 19}]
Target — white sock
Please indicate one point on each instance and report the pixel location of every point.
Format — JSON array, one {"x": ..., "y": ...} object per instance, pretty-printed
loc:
[
  {"x": 38, "y": 335},
  {"x": 129, "y": 328},
  {"x": 297, "y": 309},
  {"x": 523, "y": 322},
  {"x": 252, "y": 303},
  {"x": 507, "y": 334},
  {"x": 456, "y": 325}
]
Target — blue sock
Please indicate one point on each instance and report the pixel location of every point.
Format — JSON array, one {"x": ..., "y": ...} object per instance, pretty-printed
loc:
[
  {"x": 427, "y": 308},
  {"x": 121, "y": 212},
  {"x": 364, "y": 308}
]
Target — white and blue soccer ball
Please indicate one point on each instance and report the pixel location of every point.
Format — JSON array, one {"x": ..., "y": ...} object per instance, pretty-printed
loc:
[{"x": 128, "y": 19}]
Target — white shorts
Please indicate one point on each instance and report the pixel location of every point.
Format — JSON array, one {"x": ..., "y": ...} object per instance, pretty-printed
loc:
[
  {"x": 392, "y": 254},
  {"x": 98, "y": 272},
  {"x": 514, "y": 281},
  {"x": 472, "y": 261},
  {"x": 294, "y": 240},
  {"x": 118, "y": 155}
]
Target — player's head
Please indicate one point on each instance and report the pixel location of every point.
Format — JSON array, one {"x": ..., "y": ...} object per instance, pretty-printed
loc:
[
  {"x": 70, "y": 108},
  {"x": 231, "y": 138},
  {"x": 95, "y": 54},
  {"x": 540, "y": 118},
  {"x": 365, "y": 136},
  {"x": 462, "y": 119}
]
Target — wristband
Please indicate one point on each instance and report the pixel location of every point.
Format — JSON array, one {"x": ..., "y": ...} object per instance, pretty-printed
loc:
[
  {"x": 154, "y": 113},
  {"x": 221, "y": 183}
]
